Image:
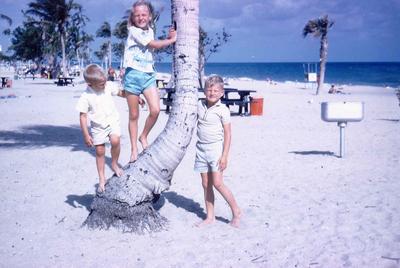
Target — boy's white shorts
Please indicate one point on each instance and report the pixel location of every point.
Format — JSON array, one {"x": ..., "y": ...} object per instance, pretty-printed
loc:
[
  {"x": 207, "y": 156},
  {"x": 101, "y": 135}
]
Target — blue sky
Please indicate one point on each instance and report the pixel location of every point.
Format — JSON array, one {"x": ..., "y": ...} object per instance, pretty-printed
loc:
[{"x": 270, "y": 30}]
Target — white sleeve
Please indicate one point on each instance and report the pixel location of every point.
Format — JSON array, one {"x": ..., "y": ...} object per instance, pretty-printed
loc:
[
  {"x": 140, "y": 36},
  {"x": 82, "y": 105},
  {"x": 113, "y": 87},
  {"x": 226, "y": 115}
]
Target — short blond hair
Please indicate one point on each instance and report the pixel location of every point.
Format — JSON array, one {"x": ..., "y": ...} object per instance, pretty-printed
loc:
[
  {"x": 214, "y": 80},
  {"x": 93, "y": 73}
]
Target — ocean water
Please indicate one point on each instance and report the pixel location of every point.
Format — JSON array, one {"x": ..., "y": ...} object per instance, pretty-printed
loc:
[{"x": 356, "y": 73}]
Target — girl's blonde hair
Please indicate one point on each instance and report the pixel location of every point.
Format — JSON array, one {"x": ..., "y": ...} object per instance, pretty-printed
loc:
[{"x": 140, "y": 3}]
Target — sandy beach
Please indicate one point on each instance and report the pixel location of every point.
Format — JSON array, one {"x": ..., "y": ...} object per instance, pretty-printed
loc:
[{"x": 303, "y": 206}]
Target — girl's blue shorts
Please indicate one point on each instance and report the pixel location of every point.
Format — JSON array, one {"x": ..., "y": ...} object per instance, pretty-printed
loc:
[{"x": 136, "y": 81}]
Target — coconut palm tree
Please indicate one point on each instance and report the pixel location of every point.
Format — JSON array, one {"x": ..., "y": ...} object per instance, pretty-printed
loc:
[
  {"x": 26, "y": 43},
  {"x": 102, "y": 55},
  {"x": 126, "y": 202},
  {"x": 57, "y": 14},
  {"x": 121, "y": 33},
  {"x": 319, "y": 28},
  {"x": 105, "y": 32},
  {"x": 80, "y": 41}
]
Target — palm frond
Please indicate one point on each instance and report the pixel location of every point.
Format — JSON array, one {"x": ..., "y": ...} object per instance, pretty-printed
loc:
[
  {"x": 6, "y": 18},
  {"x": 317, "y": 27}
]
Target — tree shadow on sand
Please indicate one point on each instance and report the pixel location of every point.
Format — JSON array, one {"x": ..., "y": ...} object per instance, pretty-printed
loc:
[
  {"x": 328, "y": 153},
  {"x": 79, "y": 201},
  {"x": 389, "y": 120},
  {"x": 40, "y": 136}
]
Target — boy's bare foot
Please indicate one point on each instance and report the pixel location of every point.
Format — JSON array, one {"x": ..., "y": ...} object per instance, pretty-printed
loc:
[
  {"x": 101, "y": 188},
  {"x": 134, "y": 155},
  {"x": 236, "y": 219},
  {"x": 143, "y": 141},
  {"x": 117, "y": 170},
  {"x": 204, "y": 223}
]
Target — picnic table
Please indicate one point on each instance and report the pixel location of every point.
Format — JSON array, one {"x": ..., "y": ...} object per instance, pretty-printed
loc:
[
  {"x": 242, "y": 100},
  {"x": 64, "y": 81}
]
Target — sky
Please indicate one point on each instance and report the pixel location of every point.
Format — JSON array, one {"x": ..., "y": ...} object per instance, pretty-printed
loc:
[{"x": 268, "y": 30}]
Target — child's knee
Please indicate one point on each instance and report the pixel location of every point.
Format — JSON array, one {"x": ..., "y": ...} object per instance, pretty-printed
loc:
[
  {"x": 218, "y": 185},
  {"x": 155, "y": 111},
  {"x": 205, "y": 185},
  {"x": 114, "y": 140},
  {"x": 100, "y": 150},
  {"x": 133, "y": 115}
]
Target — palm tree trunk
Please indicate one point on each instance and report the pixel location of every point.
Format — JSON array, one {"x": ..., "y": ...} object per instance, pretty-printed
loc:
[
  {"x": 202, "y": 64},
  {"x": 63, "y": 63},
  {"x": 109, "y": 54},
  {"x": 323, "y": 55},
  {"x": 78, "y": 58},
  {"x": 126, "y": 203}
]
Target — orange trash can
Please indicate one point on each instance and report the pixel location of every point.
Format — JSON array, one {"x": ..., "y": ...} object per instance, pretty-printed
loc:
[
  {"x": 9, "y": 83},
  {"x": 256, "y": 106}
]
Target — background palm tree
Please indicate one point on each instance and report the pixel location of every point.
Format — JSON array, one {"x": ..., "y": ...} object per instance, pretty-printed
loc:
[
  {"x": 26, "y": 42},
  {"x": 319, "y": 28},
  {"x": 105, "y": 32},
  {"x": 121, "y": 33},
  {"x": 6, "y": 31},
  {"x": 126, "y": 203},
  {"x": 79, "y": 42},
  {"x": 102, "y": 55},
  {"x": 57, "y": 14}
]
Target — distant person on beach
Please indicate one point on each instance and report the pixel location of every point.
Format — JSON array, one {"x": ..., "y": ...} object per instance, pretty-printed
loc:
[
  {"x": 111, "y": 74},
  {"x": 212, "y": 148},
  {"x": 97, "y": 102},
  {"x": 32, "y": 70},
  {"x": 140, "y": 76},
  {"x": 333, "y": 90}
]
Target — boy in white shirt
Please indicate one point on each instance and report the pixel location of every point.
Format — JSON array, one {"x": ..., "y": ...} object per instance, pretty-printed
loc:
[
  {"x": 212, "y": 149},
  {"x": 97, "y": 103}
]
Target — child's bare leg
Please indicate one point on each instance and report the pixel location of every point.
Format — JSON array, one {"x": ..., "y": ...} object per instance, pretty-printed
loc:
[
  {"x": 100, "y": 163},
  {"x": 228, "y": 196},
  {"x": 207, "y": 183},
  {"x": 115, "y": 150},
  {"x": 153, "y": 102},
  {"x": 133, "y": 105}
]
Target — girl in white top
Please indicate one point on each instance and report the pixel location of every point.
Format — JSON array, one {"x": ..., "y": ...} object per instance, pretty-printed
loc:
[{"x": 139, "y": 75}]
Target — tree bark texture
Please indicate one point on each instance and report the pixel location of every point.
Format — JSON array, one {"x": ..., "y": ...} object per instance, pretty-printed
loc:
[
  {"x": 63, "y": 63},
  {"x": 323, "y": 55},
  {"x": 126, "y": 203}
]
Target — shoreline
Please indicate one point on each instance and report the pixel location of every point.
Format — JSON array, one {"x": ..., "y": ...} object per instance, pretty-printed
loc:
[
  {"x": 227, "y": 80},
  {"x": 350, "y": 73},
  {"x": 302, "y": 204}
]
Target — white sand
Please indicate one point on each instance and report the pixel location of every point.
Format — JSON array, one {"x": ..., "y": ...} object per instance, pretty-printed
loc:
[{"x": 303, "y": 206}]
